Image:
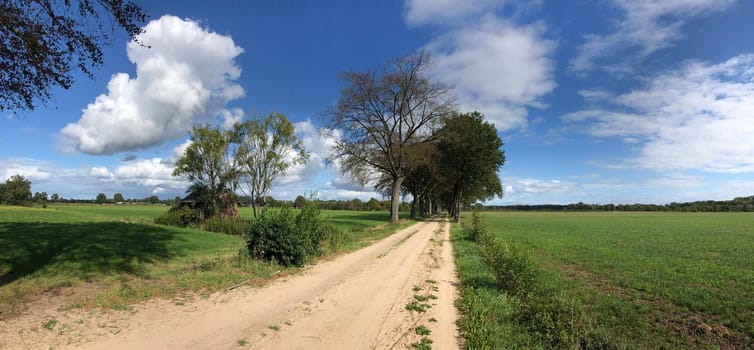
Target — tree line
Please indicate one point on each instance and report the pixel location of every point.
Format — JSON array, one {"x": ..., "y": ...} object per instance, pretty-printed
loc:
[{"x": 738, "y": 204}]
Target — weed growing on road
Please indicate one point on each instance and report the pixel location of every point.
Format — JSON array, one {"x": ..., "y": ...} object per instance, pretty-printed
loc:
[
  {"x": 424, "y": 344},
  {"x": 49, "y": 325},
  {"x": 417, "y": 288},
  {"x": 432, "y": 319},
  {"x": 418, "y": 307},
  {"x": 422, "y": 330},
  {"x": 242, "y": 342},
  {"x": 274, "y": 327},
  {"x": 421, "y": 297},
  {"x": 431, "y": 281}
]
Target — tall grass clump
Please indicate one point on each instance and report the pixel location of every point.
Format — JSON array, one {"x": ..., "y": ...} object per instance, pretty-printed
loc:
[
  {"x": 231, "y": 226},
  {"x": 291, "y": 239},
  {"x": 479, "y": 232},
  {"x": 515, "y": 270}
]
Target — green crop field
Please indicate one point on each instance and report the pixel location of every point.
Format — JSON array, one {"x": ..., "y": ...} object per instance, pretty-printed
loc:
[
  {"x": 644, "y": 280},
  {"x": 112, "y": 255}
]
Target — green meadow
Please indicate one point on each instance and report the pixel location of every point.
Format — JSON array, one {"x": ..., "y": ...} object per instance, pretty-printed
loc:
[
  {"x": 633, "y": 280},
  {"x": 112, "y": 256}
]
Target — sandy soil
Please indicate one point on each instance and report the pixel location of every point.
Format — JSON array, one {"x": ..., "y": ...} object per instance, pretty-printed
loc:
[{"x": 356, "y": 301}]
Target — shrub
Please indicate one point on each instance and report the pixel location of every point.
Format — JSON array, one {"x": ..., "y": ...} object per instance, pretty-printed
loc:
[
  {"x": 479, "y": 232},
  {"x": 180, "y": 216},
  {"x": 231, "y": 226},
  {"x": 515, "y": 270},
  {"x": 287, "y": 238}
]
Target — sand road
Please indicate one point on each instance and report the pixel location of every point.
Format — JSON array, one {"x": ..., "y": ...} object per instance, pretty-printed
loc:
[{"x": 355, "y": 301}]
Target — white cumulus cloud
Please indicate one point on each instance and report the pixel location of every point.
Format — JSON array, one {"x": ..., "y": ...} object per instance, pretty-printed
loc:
[
  {"x": 646, "y": 27},
  {"x": 183, "y": 73},
  {"x": 698, "y": 117},
  {"x": 496, "y": 67}
]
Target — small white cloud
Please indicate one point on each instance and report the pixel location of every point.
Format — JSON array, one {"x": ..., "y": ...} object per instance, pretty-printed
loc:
[
  {"x": 231, "y": 117},
  {"x": 177, "y": 153},
  {"x": 148, "y": 172},
  {"x": 420, "y": 12},
  {"x": 595, "y": 95},
  {"x": 101, "y": 173},
  {"x": 646, "y": 27},
  {"x": 184, "y": 73},
  {"x": 496, "y": 68}
]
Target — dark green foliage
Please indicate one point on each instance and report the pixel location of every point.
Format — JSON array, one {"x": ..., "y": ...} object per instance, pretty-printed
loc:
[
  {"x": 470, "y": 156},
  {"x": 101, "y": 198},
  {"x": 40, "y": 199},
  {"x": 299, "y": 202},
  {"x": 180, "y": 216},
  {"x": 16, "y": 191},
  {"x": 287, "y": 238},
  {"x": 231, "y": 226},
  {"x": 43, "y": 41}
]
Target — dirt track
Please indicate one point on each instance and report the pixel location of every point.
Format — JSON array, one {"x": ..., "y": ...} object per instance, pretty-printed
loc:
[{"x": 356, "y": 301}]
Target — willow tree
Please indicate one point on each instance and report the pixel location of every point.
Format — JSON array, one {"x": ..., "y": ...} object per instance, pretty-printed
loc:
[
  {"x": 383, "y": 115},
  {"x": 267, "y": 148}
]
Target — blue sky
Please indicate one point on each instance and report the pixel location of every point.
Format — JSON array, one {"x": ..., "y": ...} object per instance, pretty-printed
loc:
[{"x": 597, "y": 101}]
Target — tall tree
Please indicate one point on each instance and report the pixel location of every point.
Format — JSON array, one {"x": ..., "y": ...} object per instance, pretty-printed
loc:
[
  {"x": 383, "y": 115},
  {"x": 299, "y": 202},
  {"x": 208, "y": 164},
  {"x": 44, "y": 40},
  {"x": 101, "y": 198},
  {"x": 55, "y": 197},
  {"x": 470, "y": 156},
  {"x": 267, "y": 147},
  {"x": 118, "y": 197},
  {"x": 16, "y": 191}
]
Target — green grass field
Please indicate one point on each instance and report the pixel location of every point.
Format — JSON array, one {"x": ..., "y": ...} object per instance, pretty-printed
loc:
[
  {"x": 645, "y": 280},
  {"x": 111, "y": 256}
]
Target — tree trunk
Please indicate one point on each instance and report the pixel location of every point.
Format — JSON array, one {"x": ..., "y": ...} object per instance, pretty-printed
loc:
[
  {"x": 457, "y": 206},
  {"x": 413, "y": 209},
  {"x": 395, "y": 200},
  {"x": 254, "y": 205}
]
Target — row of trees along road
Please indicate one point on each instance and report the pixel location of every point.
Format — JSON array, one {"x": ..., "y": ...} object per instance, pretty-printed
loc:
[
  {"x": 402, "y": 129},
  {"x": 248, "y": 158}
]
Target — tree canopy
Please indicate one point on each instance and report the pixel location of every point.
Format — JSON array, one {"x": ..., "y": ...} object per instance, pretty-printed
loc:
[
  {"x": 101, "y": 198},
  {"x": 470, "y": 155},
  {"x": 16, "y": 191},
  {"x": 267, "y": 147},
  {"x": 43, "y": 41},
  {"x": 384, "y": 115}
]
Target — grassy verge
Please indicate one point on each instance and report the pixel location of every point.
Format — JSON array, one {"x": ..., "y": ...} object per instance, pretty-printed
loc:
[
  {"x": 615, "y": 280},
  {"x": 110, "y": 256}
]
